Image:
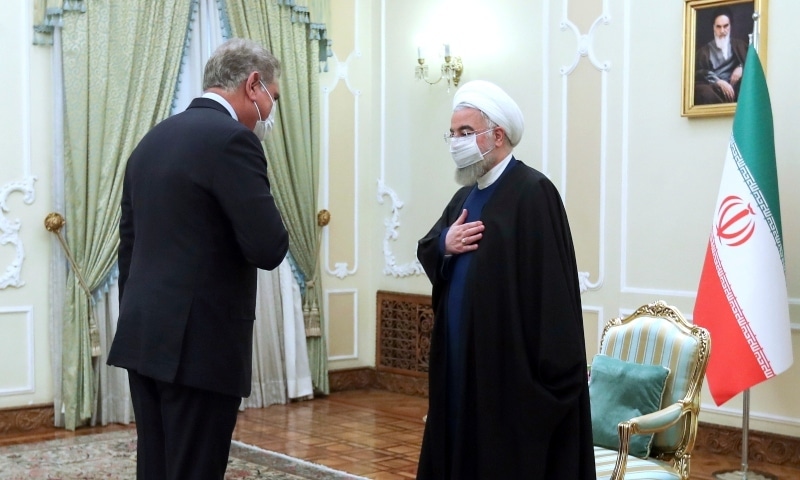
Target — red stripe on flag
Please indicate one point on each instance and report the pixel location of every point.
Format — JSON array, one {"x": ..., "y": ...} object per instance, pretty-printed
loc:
[{"x": 732, "y": 367}]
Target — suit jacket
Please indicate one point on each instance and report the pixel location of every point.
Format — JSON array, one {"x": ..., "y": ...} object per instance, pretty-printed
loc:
[{"x": 197, "y": 220}]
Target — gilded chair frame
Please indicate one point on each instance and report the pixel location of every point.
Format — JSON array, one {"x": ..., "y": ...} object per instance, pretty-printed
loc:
[{"x": 683, "y": 413}]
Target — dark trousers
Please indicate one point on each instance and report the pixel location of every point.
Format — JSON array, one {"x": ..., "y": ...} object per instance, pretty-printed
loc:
[{"x": 183, "y": 432}]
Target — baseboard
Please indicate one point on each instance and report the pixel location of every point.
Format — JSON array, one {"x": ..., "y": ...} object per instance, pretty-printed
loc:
[
  {"x": 352, "y": 379},
  {"x": 765, "y": 447},
  {"x": 362, "y": 378},
  {"x": 27, "y": 419}
]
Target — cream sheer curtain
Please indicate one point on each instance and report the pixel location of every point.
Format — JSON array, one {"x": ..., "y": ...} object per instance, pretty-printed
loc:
[
  {"x": 286, "y": 29},
  {"x": 280, "y": 358},
  {"x": 113, "y": 403}
]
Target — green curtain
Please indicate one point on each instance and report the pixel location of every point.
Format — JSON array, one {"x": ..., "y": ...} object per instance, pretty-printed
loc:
[
  {"x": 293, "y": 148},
  {"x": 121, "y": 62}
]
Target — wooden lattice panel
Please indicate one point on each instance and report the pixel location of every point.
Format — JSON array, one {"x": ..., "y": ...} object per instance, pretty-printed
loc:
[{"x": 405, "y": 322}]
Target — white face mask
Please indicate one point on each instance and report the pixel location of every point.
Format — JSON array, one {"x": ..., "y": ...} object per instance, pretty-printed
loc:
[
  {"x": 465, "y": 150},
  {"x": 264, "y": 127}
]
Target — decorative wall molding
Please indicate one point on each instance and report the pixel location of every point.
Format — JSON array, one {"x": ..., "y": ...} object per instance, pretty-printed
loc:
[
  {"x": 9, "y": 230},
  {"x": 585, "y": 42},
  {"x": 392, "y": 223},
  {"x": 341, "y": 269},
  {"x": 326, "y": 308},
  {"x": 545, "y": 140},
  {"x": 30, "y": 384},
  {"x": 584, "y": 48}
]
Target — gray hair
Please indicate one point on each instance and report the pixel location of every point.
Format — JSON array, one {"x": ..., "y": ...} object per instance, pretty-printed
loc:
[{"x": 234, "y": 60}]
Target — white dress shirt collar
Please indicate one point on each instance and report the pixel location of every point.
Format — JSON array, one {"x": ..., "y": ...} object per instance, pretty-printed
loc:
[{"x": 219, "y": 99}]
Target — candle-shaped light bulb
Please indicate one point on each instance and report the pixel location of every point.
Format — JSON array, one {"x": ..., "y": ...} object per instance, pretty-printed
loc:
[
  {"x": 419, "y": 53},
  {"x": 446, "y": 49}
]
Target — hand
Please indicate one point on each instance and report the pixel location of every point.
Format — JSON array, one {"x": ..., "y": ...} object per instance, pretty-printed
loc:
[
  {"x": 727, "y": 90},
  {"x": 463, "y": 237},
  {"x": 736, "y": 75}
]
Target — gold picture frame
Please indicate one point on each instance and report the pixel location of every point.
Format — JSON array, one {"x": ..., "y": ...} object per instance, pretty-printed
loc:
[{"x": 702, "y": 97}]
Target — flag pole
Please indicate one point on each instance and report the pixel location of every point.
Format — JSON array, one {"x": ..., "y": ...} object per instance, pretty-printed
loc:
[{"x": 743, "y": 473}]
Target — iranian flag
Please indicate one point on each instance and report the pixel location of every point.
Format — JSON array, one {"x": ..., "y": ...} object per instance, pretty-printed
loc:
[{"x": 742, "y": 298}]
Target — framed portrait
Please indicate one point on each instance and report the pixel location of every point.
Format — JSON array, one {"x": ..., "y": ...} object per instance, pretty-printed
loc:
[{"x": 715, "y": 40}]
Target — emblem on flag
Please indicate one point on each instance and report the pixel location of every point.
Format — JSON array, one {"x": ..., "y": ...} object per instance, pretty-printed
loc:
[{"x": 735, "y": 221}]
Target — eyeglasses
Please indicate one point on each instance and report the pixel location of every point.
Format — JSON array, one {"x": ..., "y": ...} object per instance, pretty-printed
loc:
[{"x": 448, "y": 137}]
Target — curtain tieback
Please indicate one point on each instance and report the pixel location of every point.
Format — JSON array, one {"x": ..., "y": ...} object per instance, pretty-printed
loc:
[
  {"x": 311, "y": 311},
  {"x": 54, "y": 222},
  {"x": 310, "y": 306}
]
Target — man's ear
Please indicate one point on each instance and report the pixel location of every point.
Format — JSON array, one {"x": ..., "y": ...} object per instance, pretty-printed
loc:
[
  {"x": 251, "y": 84},
  {"x": 499, "y": 136}
]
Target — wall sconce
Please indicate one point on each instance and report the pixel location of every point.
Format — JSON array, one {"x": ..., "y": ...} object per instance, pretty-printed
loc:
[{"x": 451, "y": 68}]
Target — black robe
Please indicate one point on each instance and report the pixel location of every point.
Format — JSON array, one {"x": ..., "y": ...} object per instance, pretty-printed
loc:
[{"x": 525, "y": 410}]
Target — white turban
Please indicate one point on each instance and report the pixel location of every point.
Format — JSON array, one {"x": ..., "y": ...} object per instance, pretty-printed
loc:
[{"x": 495, "y": 103}]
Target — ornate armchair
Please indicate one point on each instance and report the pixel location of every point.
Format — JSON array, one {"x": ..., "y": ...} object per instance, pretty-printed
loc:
[{"x": 658, "y": 339}]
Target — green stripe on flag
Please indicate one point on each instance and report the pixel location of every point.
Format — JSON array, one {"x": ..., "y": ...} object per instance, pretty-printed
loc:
[{"x": 754, "y": 135}]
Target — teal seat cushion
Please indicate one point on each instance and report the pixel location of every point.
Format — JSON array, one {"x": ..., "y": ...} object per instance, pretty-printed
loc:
[{"x": 619, "y": 391}]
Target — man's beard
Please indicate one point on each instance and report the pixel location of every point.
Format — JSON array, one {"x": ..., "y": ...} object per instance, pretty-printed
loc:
[
  {"x": 469, "y": 175},
  {"x": 723, "y": 43}
]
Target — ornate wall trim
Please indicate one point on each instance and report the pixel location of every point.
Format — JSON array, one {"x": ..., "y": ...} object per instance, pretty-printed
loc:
[
  {"x": 584, "y": 44},
  {"x": 341, "y": 269},
  {"x": 392, "y": 223},
  {"x": 29, "y": 386},
  {"x": 9, "y": 230},
  {"x": 353, "y": 294},
  {"x": 625, "y": 168}
]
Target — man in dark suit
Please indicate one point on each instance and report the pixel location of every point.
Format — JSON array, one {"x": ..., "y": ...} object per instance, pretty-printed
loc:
[{"x": 197, "y": 220}]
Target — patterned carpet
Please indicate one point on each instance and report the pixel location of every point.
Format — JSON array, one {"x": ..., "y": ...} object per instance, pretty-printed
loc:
[{"x": 112, "y": 456}]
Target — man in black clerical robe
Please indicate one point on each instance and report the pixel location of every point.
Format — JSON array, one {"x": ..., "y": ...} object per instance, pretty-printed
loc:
[{"x": 508, "y": 388}]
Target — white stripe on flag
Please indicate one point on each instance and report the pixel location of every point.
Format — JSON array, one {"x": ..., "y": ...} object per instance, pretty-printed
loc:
[{"x": 755, "y": 274}]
